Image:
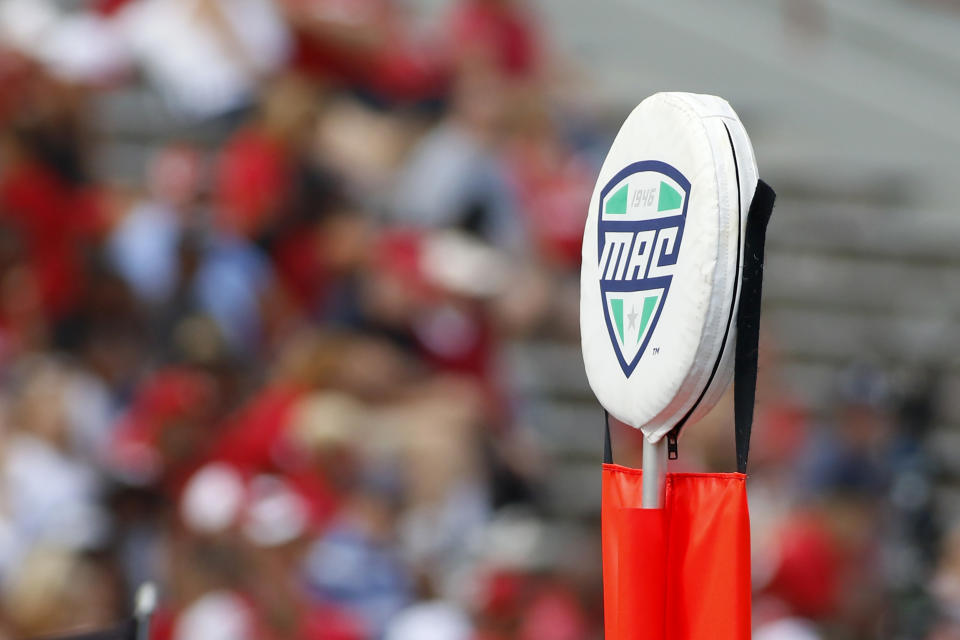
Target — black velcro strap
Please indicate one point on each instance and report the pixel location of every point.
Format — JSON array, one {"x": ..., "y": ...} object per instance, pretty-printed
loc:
[
  {"x": 748, "y": 320},
  {"x": 607, "y": 446}
]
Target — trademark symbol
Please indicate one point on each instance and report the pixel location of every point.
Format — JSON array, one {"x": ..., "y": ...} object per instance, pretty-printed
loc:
[{"x": 656, "y": 350}]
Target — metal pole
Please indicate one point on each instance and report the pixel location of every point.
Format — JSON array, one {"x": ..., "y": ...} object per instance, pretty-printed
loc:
[{"x": 654, "y": 472}]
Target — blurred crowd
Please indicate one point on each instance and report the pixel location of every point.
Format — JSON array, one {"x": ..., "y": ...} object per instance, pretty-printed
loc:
[{"x": 269, "y": 375}]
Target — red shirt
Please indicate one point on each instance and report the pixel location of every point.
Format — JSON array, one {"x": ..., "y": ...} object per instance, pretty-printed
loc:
[
  {"x": 253, "y": 181},
  {"x": 54, "y": 220},
  {"x": 251, "y": 436},
  {"x": 255, "y": 440},
  {"x": 503, "y": 34},
  {"x": 554, "y": 188},
  {"x": 392, "y": 64}
]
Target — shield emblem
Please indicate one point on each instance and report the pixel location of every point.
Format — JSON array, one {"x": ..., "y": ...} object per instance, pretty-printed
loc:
[{"x": 643, "y": 209}]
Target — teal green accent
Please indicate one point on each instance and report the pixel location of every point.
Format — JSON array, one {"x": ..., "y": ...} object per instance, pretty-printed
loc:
[
  {"x": 649, "y": 304},
  {"x": 617, "y": 203},
  {"x": 670, "y": 198},
  {"x": 617, "y": 305}
]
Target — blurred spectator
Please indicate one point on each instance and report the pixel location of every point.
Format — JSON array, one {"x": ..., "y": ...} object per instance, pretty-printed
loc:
[
  {"x": 222, "y": 49},
  {"x": 854, "y": 457},
  {"x": 278, "y": 372},
  {"x": 353, "y": 564},
  {"x": 553, "y": 183},
  {"x": 502, "y": 34},
  {"x": 144, "y": 245},
  {"x": 453, "y": 177},
  {"x": 367, "y": 46},
  {"x": 431, "y": 620},
  {"x": 52, "y": 495},
  {"x": 46, "y": 194}
]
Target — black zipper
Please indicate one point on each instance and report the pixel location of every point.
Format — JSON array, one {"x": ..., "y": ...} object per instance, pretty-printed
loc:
[{"x": 674, "y": 433}]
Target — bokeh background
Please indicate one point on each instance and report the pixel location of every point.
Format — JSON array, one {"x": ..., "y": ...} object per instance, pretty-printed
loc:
[{"x": 288, "y": 311}]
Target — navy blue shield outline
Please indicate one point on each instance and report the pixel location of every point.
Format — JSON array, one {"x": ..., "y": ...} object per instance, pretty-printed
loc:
[{"x": 640, "y": 223}]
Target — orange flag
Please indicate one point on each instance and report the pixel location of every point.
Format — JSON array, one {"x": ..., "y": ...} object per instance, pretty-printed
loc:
[{"x": 681, "y": 572}]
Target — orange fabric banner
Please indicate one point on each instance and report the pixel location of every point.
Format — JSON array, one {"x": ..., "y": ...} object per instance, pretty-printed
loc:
[{"x": 681, "y": 572}]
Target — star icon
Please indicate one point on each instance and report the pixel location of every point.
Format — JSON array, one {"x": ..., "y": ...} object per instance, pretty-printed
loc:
[{"x": 632, "y": 317}]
